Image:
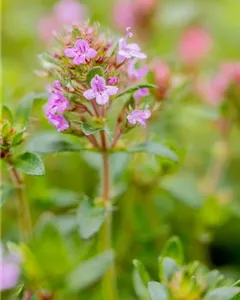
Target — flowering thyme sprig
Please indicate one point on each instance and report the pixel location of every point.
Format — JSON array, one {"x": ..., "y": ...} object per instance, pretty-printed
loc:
[{"x": 92, "y": 74}]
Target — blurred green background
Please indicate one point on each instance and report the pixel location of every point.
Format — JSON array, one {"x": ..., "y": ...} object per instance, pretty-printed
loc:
[{"x": 150, "y": 205}]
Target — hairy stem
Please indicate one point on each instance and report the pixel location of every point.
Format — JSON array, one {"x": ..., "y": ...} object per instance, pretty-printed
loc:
[
  {"x": 24, "y": 213},
  {"x": 109, "y": 291}
]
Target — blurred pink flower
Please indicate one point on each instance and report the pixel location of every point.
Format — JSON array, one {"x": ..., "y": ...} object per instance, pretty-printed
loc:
[
  {"x": 100, "y": 91},
  {"x": 123, "y": 14},
  {"x": 162, "y": 73},
  {"x": 9, "y": 270},
  {"x": 69, "y": 12},
  {"x": 194, "y": 45},
  {"x": 65, "y": 12},
  {"x": 45, "y": 27},
  {"x": 139, "y": 116},
  {"x": 132, "y": 13},
  {"x": 213, "y": 90}
]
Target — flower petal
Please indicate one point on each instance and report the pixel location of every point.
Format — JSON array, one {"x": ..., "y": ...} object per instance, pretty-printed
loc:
[
  {"x": 89, "y": 94},
  {"x": 79, "y": 60},
  {"x": 91, "y": 53},
  {"x": 70, "y": 52},
  {"x": 124, "y": 54},
  {"x": 102, "y": 98},
  {"x": 111, "y": 90}
]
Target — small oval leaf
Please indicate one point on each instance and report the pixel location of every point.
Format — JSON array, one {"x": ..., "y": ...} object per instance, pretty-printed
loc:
[
  {"x": 93, "y": 72},
  {"x": 90, "y": 271},
  {"x": 157, "y": 291},
  {"x": 29, "y": 163}
]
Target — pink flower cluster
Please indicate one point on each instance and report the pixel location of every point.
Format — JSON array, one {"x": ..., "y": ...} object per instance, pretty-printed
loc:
[
  {"x": 56, "y": 106},
  {"x": 65, "y": 12},
  {"x": 90, "y": 69}
]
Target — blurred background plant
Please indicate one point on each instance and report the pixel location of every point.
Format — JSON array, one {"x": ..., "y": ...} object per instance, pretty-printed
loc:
[{"x": 197, "y": 199}]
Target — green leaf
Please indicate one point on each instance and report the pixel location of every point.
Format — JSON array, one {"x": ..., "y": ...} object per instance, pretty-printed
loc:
[
  {"x": 51, "y": 142},
  {"x": 237, "y": 283},
  {"x": 7, "y": 114},
  {"x": 5, "y": 129},
  {"x": 93, "y": 72},
  {"x": 136, "y": 88},
  {"x": 90, "y": 218},
  {"x": 88, "y": 129},
  {"x": 25, "y": 107},
  {"x": 212, "y": 278},
  {"x": 140, "y": 280},
  {"x": 222, "y": 293},
  {"x": 17, "y": 139},
  {"x": 167, "y": 268},
  {"x": 156, "y": 149},
  {"x": 29, "y": 163},
  {"x": 49, "y": 249},
  {"x": 6, "y": 191},
  {"x": 157, "y": 291},
  {"x": 90, "y": 271},
  {"x": 184, "y": 188},
  {"x": 173, "y": 249}
]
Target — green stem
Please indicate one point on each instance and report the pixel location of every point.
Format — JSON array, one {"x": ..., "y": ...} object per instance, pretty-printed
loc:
[
  {"x": 24, "y": 213},
  {"x": 109, "y": 291}
]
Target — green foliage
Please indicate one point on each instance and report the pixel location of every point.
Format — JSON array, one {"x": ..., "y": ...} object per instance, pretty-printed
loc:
[
  {"x": 156, "y": 149},
  {"x": 29, "y": 163},
  {"x": 179, "y": 281},
  {"x": 183, "y": 187},
  {"x": 6, "y": 192},
  {"x": 222, "y": 293},
  {"x": 51, "y": 142},
  {"x": 136, "y": 88},
  {"x": 157, "y": 291},
  {"x": 90, "y": 271},
  {"x": 90, "y": 218},
  {"x": 140, "y": 280},
  {"x": 93, "y": 72},
  {"x": 88, "y": 129},
  {"x": 25, "y": 107}
]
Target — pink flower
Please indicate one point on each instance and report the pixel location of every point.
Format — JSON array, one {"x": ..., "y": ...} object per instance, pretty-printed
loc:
[
  {"x": 57, "y": 103},
  {"x": 58, "y": 121},
  {"x": 68, "y": 12},
  {"x": 55, "y": 106},
  {"x": 194, "y": 45},
  {"x": 113, "y": 80},
  {"x": 9, "y": 270},
  {"x": 141, "y": 93},
  {"x": 45, "y": 28},
  {"x": 137, "y": 74},
  {"x": 80, "y": 52},
  {"x": 213, "y": 91},
  {"x": 139, "y": 116},
  {"x": 100, "y": 91},
  {"x": 126, "y": 51},
  {"x": 123, "y": 14},
  {"x": 162, "y": 73}
]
